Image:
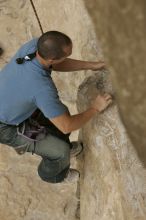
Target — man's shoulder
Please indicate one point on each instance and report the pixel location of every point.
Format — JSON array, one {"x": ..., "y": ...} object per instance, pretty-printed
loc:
[{"x": 28, "y": 47}]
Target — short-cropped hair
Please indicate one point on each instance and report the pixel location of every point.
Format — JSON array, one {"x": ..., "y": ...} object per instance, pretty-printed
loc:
[{"x": 50, "y": 45}]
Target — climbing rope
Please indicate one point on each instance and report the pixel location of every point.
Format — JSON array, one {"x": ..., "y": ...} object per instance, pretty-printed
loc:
[{"x": 37, "y": 17}]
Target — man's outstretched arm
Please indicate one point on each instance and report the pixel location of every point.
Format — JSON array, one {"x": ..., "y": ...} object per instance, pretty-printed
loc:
[
  {"x": 68, "y": 123},
  {"x": 76, "y": 65}
]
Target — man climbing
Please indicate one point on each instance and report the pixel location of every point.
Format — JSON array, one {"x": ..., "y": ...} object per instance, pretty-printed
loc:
[{"x": 32, "y": 117}]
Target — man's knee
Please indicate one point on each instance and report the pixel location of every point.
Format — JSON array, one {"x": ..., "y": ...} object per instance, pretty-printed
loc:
[
  {"x": 54, "y": 170},
  {"x": 52, "y": 173},
  {"x": 63, "y": 150},
  {"x": 56, "y": 158}
]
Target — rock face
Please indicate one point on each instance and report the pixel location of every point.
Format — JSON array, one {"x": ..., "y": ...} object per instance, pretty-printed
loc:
[
  {"x": 120, "y": 28},
  {"x": 113, "y": 179},
  {"x": 18, "y": 24},
  {"x": 23, "y": 195}
]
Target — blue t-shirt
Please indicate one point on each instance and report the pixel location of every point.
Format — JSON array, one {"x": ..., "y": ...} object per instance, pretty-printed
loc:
[{"x": 26, "y": 87}]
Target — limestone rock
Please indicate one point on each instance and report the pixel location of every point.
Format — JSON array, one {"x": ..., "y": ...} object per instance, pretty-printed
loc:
[
  {"x": 18, "y": 25},
  {"x": 113, "y": 179},
  {"x": 120, "y": 28}
]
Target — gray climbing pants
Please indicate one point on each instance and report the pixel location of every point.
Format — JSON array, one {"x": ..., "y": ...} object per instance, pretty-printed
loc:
[{"x": 54, "y": 148}]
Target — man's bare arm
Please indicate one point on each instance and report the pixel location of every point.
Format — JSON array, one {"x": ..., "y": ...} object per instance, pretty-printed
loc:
[
  {"x": 67, "y": 123},
  {"x": 76, "y": 65}
]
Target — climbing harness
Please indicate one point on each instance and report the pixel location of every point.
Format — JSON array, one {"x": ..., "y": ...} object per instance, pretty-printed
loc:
[{"x": 32, "y": 131}]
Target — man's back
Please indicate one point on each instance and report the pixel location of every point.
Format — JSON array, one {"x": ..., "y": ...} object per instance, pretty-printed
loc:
[{"x": 23, "y": 87}]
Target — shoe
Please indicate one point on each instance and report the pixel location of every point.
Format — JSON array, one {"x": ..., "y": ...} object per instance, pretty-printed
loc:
[
  {"x": 76, "y": 149},
  {"x": 72, "y": 176}
]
